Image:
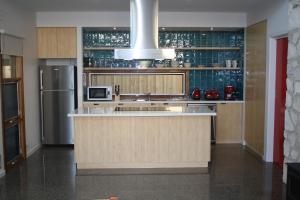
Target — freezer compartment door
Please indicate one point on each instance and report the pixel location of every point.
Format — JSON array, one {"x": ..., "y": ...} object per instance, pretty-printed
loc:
[
  {"x": 57, "y": 127},
  {"x": 56, "y": 77}
]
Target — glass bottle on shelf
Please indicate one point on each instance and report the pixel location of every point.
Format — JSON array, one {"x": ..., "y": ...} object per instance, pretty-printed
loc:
[{"x": 8, "y": 67}]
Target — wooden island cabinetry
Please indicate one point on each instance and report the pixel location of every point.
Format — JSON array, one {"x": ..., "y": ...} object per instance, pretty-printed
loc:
[
  {"x": 142, "y": 137},
  {"x": 57, "y": 42}
]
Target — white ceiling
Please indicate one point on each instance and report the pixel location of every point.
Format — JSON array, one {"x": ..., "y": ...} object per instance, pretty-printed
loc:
[{"x": 164, "y": 5}]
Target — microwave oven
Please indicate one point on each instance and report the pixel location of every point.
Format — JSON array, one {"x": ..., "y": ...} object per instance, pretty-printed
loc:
[{"x": 99, "y": 93}]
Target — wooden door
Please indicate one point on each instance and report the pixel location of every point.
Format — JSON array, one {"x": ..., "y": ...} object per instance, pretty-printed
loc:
[
  {"x": 13, "y": 120},
  {"x": 47, "y": 42},
  {"x": 255, "y": 87},
  {"x": 66, "y": 42}
]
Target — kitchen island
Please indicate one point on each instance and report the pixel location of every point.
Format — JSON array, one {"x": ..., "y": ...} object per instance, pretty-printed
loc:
[{"x": 142, "y": 137}]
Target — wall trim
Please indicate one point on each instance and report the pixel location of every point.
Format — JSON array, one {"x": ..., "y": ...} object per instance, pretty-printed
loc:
[
  {"x": 2, "y": 173},
  {"x": 270, "y": 98},
  {"x": 33, "y": 150},
  {"x": 251, "y": 150}
]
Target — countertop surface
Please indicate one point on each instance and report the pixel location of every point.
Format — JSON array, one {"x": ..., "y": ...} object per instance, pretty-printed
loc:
[
  {"x": 143, "y": 111},
  {"x": 179, "y": 101}
]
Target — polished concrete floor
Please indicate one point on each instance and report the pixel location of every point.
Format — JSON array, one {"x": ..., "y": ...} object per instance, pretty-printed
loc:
[{"x": 234, "y": 174}]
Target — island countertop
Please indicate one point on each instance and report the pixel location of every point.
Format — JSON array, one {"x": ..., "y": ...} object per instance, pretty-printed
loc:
[{"x": 143, "y": 111}]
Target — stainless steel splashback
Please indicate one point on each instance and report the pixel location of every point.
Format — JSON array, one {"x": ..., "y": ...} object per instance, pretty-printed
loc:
[{"x": 144, "y": 33}]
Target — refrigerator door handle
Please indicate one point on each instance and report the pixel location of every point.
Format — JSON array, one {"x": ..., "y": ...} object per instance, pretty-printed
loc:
[
  {"x": 41, "y": 80},
  {"x": 42, "y": 116}
]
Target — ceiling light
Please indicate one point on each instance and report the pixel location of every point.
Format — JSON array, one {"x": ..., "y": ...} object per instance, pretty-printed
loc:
[{"x": 115, "y": 28}]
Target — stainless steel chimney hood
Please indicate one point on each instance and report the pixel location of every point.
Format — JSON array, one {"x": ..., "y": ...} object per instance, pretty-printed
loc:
[{"x": 144, "y": 33}]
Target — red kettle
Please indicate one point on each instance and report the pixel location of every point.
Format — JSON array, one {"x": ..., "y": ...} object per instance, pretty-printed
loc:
[
  {"x": 229, "y": 92},
  {"x": 196, "y": 95},
  {"x": 212, "y": 95}
]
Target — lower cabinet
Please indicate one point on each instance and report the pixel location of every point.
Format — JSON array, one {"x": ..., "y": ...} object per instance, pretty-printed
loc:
[{"x": 229, "y": 123}]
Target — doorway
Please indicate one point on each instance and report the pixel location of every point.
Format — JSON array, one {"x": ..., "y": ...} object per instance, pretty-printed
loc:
[{"x": 280, "y": 99}]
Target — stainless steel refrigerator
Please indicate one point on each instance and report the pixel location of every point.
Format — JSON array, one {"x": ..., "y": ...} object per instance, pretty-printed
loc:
[{"x": 58, "y": 98}]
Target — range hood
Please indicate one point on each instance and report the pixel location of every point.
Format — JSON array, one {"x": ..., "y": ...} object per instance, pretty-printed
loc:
[{"x": 144, "y": 33}]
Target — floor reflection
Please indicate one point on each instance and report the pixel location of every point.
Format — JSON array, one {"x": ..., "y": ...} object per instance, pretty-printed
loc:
[{"x": 234, "y": 174}]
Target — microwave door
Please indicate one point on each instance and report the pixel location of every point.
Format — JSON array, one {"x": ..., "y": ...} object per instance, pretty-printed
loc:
[{"x": 98, "y": 93}]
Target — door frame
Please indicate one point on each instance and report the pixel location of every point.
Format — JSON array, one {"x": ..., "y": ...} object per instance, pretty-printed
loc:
[{"x": 270, "y": 95}]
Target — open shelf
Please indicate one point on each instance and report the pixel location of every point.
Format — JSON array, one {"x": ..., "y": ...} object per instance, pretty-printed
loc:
[
  {"x": 208, "y": 48},
  {"x": 176, "y": 48},
  {"x": 10, "y": 80}
]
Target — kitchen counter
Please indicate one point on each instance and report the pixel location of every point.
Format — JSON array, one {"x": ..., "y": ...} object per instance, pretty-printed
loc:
[
  {"x": 142, "y": 137},
  {"x": 143, "y": 111},
  {"x": 127, "y": 101}
]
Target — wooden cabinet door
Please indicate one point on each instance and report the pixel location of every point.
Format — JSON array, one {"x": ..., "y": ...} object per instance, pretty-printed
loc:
[
  {"x": 66, "y": 42},
  {"x": 255, "y": 87},
  {"x": 159, "y": 84},
  {"x": 47, "y": 43},
  {"x": 229, "y": 123}
]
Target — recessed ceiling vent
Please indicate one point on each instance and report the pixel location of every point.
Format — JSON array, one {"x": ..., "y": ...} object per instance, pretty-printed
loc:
[{"x": 144, "y": 33}]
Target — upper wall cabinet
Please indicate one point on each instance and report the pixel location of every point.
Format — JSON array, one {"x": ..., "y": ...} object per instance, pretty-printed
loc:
[{"x": 57, "y": 42}]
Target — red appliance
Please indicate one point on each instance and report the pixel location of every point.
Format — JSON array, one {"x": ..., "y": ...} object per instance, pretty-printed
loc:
[
  {"x": 229, "y": 92},
  {"x": 212, "y": 94},
  {"x": 196, "y": 95}
]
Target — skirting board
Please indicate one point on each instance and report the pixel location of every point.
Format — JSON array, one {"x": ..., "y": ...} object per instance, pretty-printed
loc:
[
  {"x": 254, "y": 152},
  {"x": 2, "y": 173},
  {"x": 136, "y": 171},
  {"x": 33, "y": 150}
]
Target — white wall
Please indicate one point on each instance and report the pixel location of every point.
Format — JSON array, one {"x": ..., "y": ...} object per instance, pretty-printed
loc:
[
  {"x": 18, "y": 22},
  {"x": 121, "y": 19},
  {"x": 277, "y": 26}
]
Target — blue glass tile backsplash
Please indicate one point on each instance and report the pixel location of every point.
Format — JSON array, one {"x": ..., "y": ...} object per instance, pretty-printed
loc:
[
  {"x": 217, "y": 79},
  {"x": 200, "y": 48}
]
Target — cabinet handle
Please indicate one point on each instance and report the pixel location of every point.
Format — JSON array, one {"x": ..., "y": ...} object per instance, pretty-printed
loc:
[{"x": 41, "y": 80}]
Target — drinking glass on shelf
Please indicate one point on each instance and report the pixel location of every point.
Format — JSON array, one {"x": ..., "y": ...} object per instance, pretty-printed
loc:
[
  {"x": 118, "y": 39},
  {"x": 94, "y": 39},
  {"x": 187, "y": 40},
  {"x": 180, "y": 38},
  {"x": 114, "y": 39},
  {"x": 107, "y": 39},
  {"x": 232, "y": 41},
  {"x": 89, "y": 39},
  {"x": 101, "y": 41},
  {"x": 173, "y": 38},
  {"x": 167, "y": 39},
  {"x": 126, "y": 41}
]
